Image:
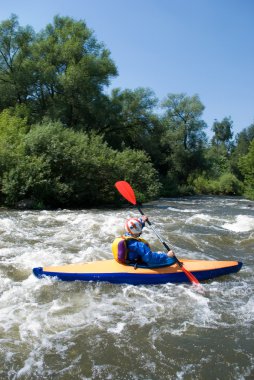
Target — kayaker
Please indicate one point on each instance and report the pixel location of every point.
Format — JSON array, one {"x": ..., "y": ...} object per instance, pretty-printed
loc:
[{"x": 130, "y": 248}]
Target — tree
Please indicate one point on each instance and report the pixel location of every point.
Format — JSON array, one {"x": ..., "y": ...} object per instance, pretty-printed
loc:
[
  {"x": 183, "y": 117},
  {"x": 246, "y": 165},
  {"x": 240, "y": 148},
  {"x": 13, "y": 128},
  {"x": 15, "y": 75},
  {"x": 223, "y": 133},
  {"x": 70, "y": 69},
  {"x": 218, "y": 176},
  {"x": 136, "y": 167},
  {"x": 183, "y": 140},
  {"x": 130, "y": 118},
  {"x": 243, "y": 141}
]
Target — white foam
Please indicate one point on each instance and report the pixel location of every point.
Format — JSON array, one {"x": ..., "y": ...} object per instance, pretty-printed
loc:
[
  {"x": 199, "y": 218},
  {"x": 247, "y": 310},
  {"x": 117, "y": 329},
  {"x": 187, "y": 210},
  {"x": 48, "y": 316},
  {"x": 242, "y": 223}
]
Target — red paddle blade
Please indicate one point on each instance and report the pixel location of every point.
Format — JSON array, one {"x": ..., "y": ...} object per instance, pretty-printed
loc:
[
  {"x": 126, "y": 191},
  {"x": 190, "y": 276}
]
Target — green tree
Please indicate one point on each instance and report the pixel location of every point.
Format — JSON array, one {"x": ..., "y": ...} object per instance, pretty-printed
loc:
[
  {"x": 71, "y": 70},
  {"x": 136, "y": 167},
  {"x": 223, "y": 133},
  {"x": 240, "y": 148},
  {"x": 216, "y": 161},
  {"x": 218, "y": 176},
  {"x": 243, "y": 140},
  {"x": 130, "y": 118},
  {"x": 183, "y": 140},
  {"x": 183, "y": 117},
  {"x": 218, "y": 153},
  {"x": 15, "y": 75},
  {"x": 12, "y": 131},
  {"x": 246, "y": 164},
  {"x": 13, "y": 128}
]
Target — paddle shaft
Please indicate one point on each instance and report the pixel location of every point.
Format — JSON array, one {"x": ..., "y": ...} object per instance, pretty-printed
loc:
[{"x": 159, "y": 236}]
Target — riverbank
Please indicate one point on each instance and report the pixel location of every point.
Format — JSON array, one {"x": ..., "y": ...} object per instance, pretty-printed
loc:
[{"x": 28, "y": 204}]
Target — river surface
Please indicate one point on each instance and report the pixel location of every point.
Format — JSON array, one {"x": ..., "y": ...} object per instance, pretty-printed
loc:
[{"x": 58, "y": 330}]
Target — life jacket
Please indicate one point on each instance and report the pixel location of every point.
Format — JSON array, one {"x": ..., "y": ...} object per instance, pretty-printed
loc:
[{"x": 120, "y": 248}]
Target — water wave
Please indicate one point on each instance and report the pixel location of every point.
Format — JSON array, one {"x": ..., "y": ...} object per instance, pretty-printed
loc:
[
  {"x": 53, "y": 329},
  {"x": 242, "y": 223}
]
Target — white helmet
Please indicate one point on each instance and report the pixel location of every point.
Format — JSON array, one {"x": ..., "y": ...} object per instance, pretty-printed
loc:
[{"x": 133, "y": 226}]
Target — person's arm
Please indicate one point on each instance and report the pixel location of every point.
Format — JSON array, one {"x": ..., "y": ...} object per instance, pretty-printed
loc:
[
  {"x": 170, "y": 253},
  {"x": 147, "y": 255}
]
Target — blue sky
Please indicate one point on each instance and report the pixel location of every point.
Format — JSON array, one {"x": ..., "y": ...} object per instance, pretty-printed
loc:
[{"x": 203, "y": 47}]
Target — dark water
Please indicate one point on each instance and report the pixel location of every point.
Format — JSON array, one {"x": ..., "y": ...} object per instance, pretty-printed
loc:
[{"x": 55, "y": 330}]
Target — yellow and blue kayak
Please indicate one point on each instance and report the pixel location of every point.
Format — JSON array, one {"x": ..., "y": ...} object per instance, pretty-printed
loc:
[{"x": 114, "y": 272}]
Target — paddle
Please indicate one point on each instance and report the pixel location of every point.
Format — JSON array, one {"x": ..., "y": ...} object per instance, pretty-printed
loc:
[{"x": 127, "y": 192}]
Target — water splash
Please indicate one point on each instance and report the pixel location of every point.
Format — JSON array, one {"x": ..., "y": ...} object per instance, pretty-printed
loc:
[
  {"x": 77, "y": 331},
  {"x": 242, "y": 223}
]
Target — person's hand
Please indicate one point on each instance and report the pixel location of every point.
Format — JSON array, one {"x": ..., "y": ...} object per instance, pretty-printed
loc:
[
  {"x": 170, "y": 253},
  {"x": 144, "y": 218}
]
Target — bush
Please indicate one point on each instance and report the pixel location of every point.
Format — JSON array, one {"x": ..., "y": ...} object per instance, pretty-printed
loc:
[
  {"x": 226, "y": 184},
  {"x": 246, "y": 165},
  {"x": 170, "y": 186},
  {"x": 202, "y": 185},
  {"x": 59, "y": 167},
  {"x": 136, "y": 167},
  {"x": 12, "y": 131},
  {"x": 29, "y": 179}
]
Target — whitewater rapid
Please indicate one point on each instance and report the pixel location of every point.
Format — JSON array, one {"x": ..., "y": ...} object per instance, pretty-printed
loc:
[{"x": 52, "y": 329}]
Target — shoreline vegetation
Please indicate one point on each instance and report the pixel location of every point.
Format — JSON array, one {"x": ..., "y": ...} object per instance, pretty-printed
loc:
[
  {"x": 30, "y": 205},
  {"x": 64, "y": 141}
]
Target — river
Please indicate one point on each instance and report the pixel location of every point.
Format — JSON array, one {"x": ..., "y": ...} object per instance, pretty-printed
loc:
[{"x": 58, "y": 330}]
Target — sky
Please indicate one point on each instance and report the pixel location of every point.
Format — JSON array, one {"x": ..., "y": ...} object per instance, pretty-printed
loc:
[{"x": 203, "y": 47}]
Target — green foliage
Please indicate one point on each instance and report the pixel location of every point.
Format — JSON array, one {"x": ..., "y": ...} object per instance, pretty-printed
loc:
[
  {"x": 12, "y": 130},
  {"x": 64, "y": 142},
  {"x": 170, "y": 185},
  {"x": 246, "y": 165},
  {"x": 15, "y": 75},
  {"x": 130, "y": 118},
  {"x": 182, "y": 141},
  {"x": 70, "y": 69},
  {"x": 183, "y": 117},
  {"x": 223, "y": 133},
  {"x": 243, "y": 140},
  {"x": 230, "y": 185},
  {"x": 78, "y": 164},
  {"x": 226, "y": 184},
  {"x": 59, "y": 167},
  {"x": 216, "y": 161},
  {"x": 203, "y": 185},
  {"x": 60, "y": 72},
  {"x": 28, "y": 179},
  {"x": 240, "y": 148},
  {"x": 136, "y": 168}
]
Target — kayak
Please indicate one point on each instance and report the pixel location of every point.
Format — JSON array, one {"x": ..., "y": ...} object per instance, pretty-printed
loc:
[{"x": 113, "y": 272}]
